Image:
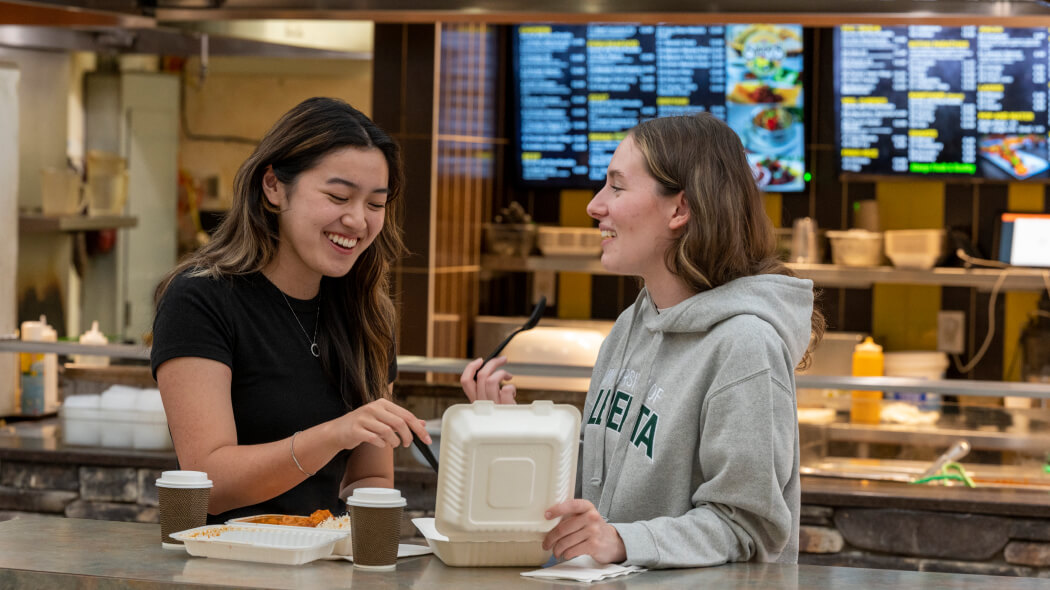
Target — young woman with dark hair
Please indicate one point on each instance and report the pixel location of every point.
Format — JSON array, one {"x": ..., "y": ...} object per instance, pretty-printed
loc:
[{"x": 273, "y": 344}]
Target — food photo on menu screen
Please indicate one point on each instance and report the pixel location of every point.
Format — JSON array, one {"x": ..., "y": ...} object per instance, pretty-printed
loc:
[
  {"x": 764, "y": 101},
  {"x": 1008, "y": 157}
]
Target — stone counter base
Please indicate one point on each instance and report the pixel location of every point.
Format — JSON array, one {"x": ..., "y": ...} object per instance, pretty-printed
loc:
[
  {"x": 125, "y": 494},
  {"x": 924, "y": 541},
  {"x": 79, "y": 491}
]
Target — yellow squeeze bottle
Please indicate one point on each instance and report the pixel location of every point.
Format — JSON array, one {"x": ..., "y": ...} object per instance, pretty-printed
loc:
[{"x": 867, "y": 362}]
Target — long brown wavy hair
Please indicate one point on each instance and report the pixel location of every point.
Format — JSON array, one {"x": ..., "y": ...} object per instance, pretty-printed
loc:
[
  {"x": 728, "y": 234},
  {"x": 357, "y": 336}
]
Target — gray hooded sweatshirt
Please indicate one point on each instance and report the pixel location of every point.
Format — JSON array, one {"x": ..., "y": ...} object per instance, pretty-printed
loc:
[{"x": 690, "y": 426}]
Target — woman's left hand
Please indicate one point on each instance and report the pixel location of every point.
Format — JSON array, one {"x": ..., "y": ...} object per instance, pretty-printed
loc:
[{"x": 582, "y": 531}]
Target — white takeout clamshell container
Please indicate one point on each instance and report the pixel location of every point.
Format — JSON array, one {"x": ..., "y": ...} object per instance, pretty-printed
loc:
[
  {"x": 482, "y": 553},
  {"x": 502, "y": 466},
  {"x": 342, "y": 547},
  {"x": 287, "y": 545}
]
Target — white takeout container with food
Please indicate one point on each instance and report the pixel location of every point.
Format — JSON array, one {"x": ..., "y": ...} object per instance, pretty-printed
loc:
[
  {"x": 340, "y": 523},
  {"x": 502, "y": 466},
  {"x": 284, "y": 545}
]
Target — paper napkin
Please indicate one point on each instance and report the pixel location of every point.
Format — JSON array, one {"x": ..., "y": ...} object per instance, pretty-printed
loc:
[{"x": 583, "y": 569}]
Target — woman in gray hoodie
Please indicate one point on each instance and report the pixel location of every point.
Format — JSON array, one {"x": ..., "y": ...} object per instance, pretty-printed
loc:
[{"x": 690, "y": 437}]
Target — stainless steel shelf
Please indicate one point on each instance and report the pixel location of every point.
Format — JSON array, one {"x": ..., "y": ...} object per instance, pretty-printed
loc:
[
  {"x": 125, "y": 351},
  {"x": 454, "y": 366},
  {"x": 829, "y": 275},
  {"x": 72, "y": 223},
  {"x": 586, "y": 264},
  {"x": 939, "y": 436},
  {"x": 913, "y": 385},
  {"x": 1017, "y": 279}
]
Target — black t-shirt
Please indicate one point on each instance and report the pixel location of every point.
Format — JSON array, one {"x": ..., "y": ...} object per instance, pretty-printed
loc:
[{"x": 278, "y": 387}]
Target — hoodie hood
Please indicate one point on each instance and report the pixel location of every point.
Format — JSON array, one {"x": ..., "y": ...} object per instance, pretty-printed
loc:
[{"x": 784, "y": 302}]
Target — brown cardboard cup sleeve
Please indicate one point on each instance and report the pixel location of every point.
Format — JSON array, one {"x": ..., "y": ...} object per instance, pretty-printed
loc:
[
  {"x": 183, "y": 503},
  {"x": 376, "y": 529}
]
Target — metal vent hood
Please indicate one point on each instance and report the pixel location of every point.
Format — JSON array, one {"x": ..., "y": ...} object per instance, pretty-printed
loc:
[
  {"x": 808, "y": 12},
  {"x": 65, "y": 27},
  {"x": 131, "y": 25}
]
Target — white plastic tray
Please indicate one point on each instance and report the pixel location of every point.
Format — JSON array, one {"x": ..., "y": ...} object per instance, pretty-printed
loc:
[
  {"x": 502, "y": 466},
  {"x": 262, "y": 543},
  {"x": 342, "y": 547},
  {"x": 482, "y": 553}
]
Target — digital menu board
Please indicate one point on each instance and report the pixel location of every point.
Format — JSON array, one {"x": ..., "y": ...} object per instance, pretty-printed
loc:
[
  {"x": 579, "y": 88},
  {"x": 966, "y": 101}
]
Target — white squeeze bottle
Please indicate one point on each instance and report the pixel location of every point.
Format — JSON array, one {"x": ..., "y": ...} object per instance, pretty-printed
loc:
[
  {"x": 39, "y": 371},
  {"x": 92, "y": 337}
]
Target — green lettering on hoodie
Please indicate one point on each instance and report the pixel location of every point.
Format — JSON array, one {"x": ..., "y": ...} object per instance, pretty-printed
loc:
[
  {"x": 618, "y": 410},
  {"x": 599, "y": 407},
  {"x": 647, "y": 433}
]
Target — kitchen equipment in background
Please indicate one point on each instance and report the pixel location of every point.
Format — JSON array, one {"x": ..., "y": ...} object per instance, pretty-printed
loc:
[
  {"x": 957, "y": 451},
  {"x": 121, "y": 416},
  {"x": 570, "y": 241},
  {"x": 785, "y": 237},
  {"x": 556, "y": 342},
  {"x": 60, "y": 192},
  {"x": 865, "y": 406},
  {"x": 1035, "y": 345},
  {"x": 534, "y": 318},
  {"x": 915, "y": 248},
  {"x": 1023, "y": 239},
  {"x": 92, "y": 337},
  {"x": 39, "y": 371},
  {"x": 555, "y": 346},
  {"x": 866, "y": 215},
  {"x": 509, "y": 239},
  {"x": 833, "y": 356},
  {"x": 804, "y": 241},
  {"x": 918, "y": 364},
  {"x": 856, "y": 247},
  {"x": 107, "y": 183}
]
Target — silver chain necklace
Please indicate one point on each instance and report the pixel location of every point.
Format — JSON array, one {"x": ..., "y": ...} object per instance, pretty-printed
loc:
[{"x": 314, "y": 348}]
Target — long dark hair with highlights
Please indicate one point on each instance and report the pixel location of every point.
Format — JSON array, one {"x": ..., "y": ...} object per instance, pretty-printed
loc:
[
  {"x": 728, "y": 234},
  {"x": 357, "y": 336}
]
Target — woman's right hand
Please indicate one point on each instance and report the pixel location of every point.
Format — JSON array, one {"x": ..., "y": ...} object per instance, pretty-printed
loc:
[
  {"x": 381, "y": 423},
  {"x": 489, "y": 381}
]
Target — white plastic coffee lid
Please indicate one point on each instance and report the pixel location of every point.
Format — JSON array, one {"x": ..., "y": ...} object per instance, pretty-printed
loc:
[
  {"x": 376, "y": 498},
  {"x": 184, "y": 479}
]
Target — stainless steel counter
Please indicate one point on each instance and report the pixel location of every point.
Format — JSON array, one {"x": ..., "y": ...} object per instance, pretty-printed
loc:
[{"x": 73, "y": 553}]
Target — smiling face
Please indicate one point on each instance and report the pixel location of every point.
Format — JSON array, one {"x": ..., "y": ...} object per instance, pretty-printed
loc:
[
  {"x": 637, "y": 220},
  {"x": 329, "y": 216}
]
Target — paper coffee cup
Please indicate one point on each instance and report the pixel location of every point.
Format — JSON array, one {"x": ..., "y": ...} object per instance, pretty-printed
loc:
[
  {"x": 183, "y": 503},
  {"x": 376, "y": 530}
]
